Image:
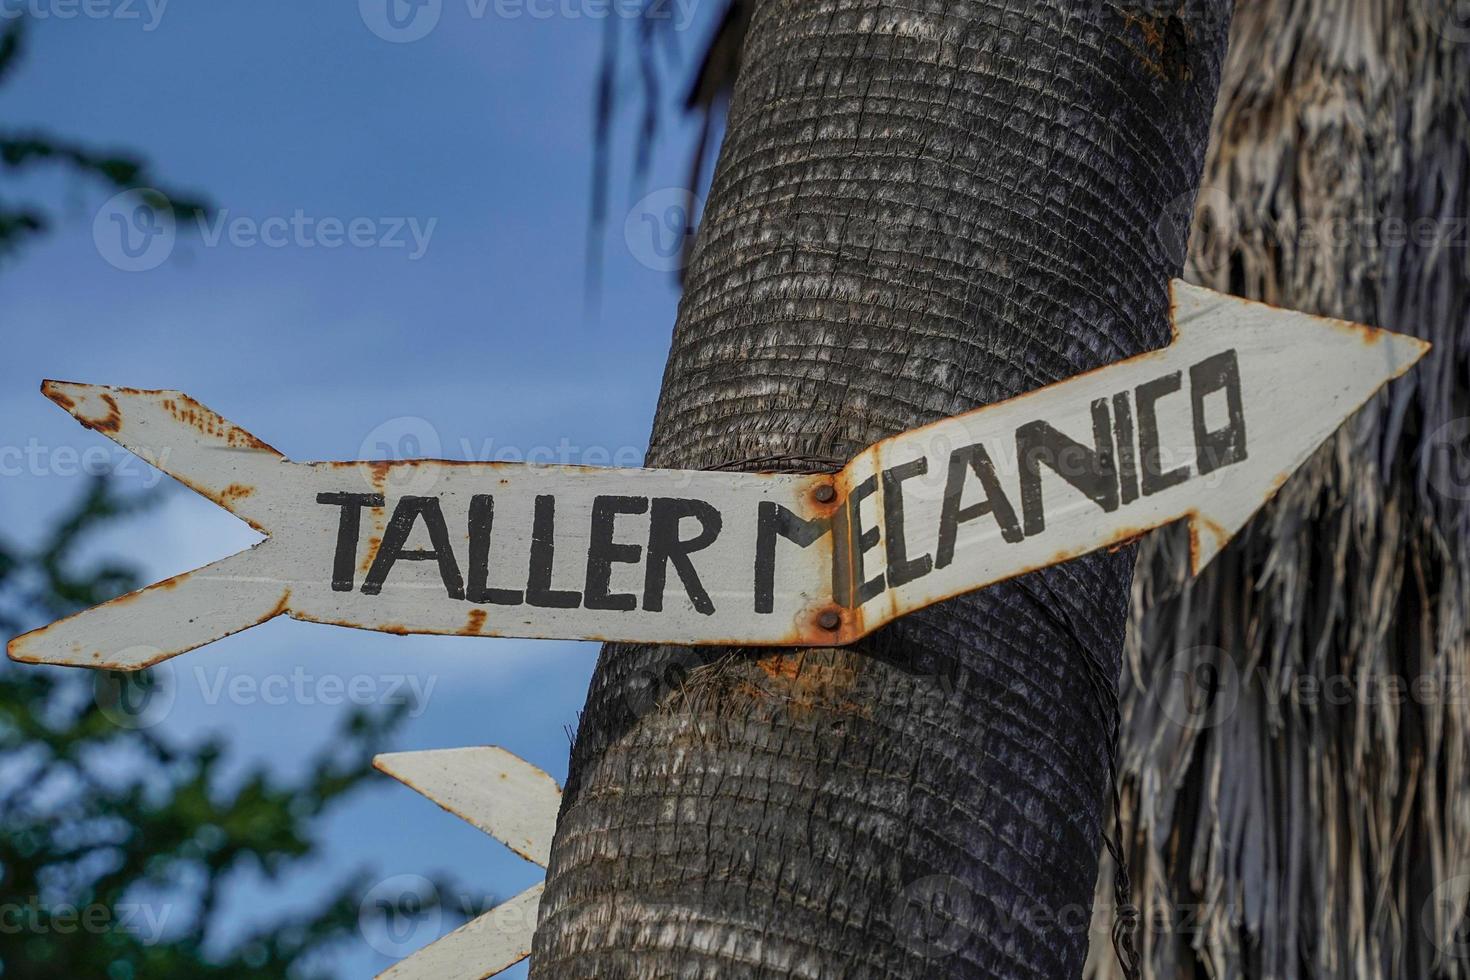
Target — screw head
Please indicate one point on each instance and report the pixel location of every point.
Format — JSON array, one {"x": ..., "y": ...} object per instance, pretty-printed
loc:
[
  {"x": 825, "y": 493},
  {"x": 829, "y": 620}
]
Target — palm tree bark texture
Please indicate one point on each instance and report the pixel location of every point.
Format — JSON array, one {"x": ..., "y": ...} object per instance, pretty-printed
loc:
[{"x": 920, "y": 208}]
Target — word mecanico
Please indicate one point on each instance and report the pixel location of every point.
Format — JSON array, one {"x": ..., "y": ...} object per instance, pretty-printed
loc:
[{"x": 1121, "y": 464}]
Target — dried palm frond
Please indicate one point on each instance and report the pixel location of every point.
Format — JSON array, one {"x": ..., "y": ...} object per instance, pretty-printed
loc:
[
  {"x": 706, "y": 96},
  {"x": 1296, "y": 722}
]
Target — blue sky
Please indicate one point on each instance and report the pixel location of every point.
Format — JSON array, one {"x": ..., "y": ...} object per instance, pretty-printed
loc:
[{"x": 471, "y": 341}]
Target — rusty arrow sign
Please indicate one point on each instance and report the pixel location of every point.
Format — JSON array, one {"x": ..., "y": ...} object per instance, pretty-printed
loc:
[
  {"x": 1203, "y": 430},
  {"x": 512, "y": 801}
]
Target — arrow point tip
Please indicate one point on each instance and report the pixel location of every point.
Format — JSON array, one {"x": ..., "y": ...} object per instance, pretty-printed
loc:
[
  {"x": 1406, "y": 350},
  {"x": 92, "y": 405},
  {"x": 22, "y": 650},
  {"x": 15, "y": 650},
  {"x": 61, "y": 391},
  {"x": 1196, "y": 308}
]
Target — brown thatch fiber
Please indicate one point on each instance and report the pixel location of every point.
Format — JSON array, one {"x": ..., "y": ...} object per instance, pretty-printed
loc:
[{"x": 1295, "y": 779}]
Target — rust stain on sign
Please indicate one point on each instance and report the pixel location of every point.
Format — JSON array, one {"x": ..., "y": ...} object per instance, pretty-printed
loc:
[
  {"x": 1189, "y": 432},
  {"x": 108, "y": 423}
]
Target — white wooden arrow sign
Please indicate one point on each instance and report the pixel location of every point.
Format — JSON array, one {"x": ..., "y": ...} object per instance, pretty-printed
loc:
[
  {"x": 1203, "y": 430},
  {"x": 512, "y": 801}
]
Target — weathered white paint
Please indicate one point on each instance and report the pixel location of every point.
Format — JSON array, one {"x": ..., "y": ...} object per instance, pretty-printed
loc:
[
  {"x": 503, "y": 795},
  {"x": 1293, "y": 379},
  {"x": 512, "y": 801}
]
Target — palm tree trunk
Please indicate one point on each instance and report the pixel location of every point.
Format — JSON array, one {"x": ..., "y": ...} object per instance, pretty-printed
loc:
[{"x": 919, "y": 208}]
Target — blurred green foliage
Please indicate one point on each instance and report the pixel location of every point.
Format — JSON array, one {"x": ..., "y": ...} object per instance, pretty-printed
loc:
[
  {"x": 114, "y": 843},
  {"x": 22, "y": 149}
]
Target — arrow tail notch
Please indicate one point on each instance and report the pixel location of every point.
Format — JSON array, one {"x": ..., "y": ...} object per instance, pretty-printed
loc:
[{"x": 215, "y": 458}]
